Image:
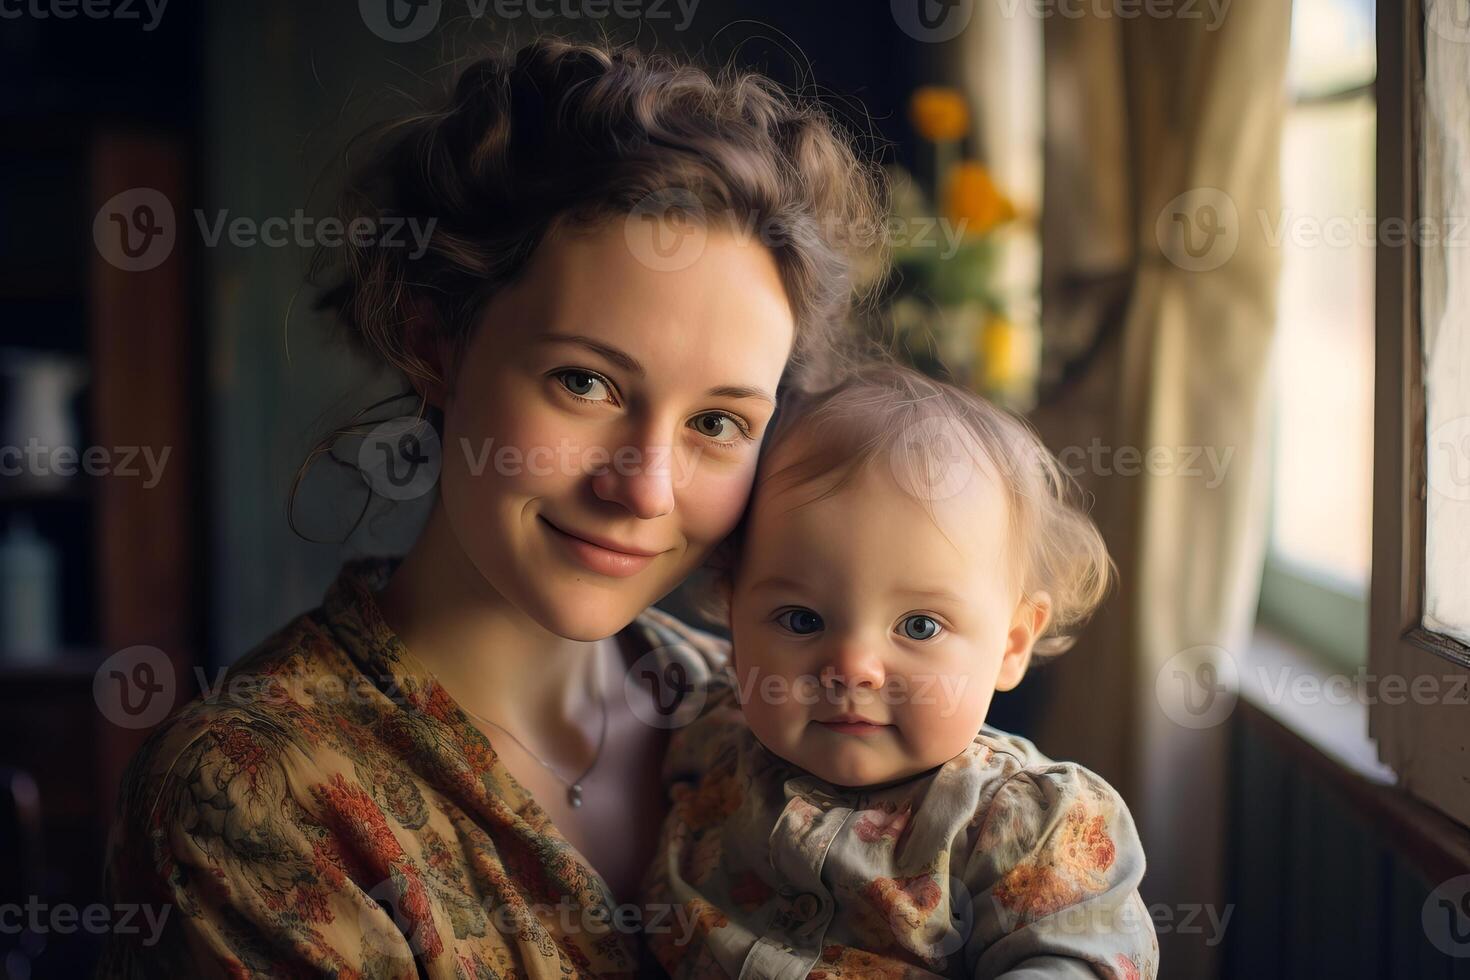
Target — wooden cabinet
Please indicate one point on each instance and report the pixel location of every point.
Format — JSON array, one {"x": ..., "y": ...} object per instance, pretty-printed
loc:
[{"x": 126, "y": 536}]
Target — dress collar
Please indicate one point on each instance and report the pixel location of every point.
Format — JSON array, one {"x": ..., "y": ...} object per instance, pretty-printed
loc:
[{"x": 351, "y": 609}]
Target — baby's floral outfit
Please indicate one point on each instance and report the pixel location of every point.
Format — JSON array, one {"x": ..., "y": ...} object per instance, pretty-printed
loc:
[{"x": 999, "y": 863}]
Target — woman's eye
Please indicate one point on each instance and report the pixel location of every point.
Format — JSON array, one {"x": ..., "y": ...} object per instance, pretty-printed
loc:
[
  {"x": 920, "y": 627},
  {"x": 584, "y": 384},
  {"x": 718, "y": 426},
  {"x": 800, "y": 621}
]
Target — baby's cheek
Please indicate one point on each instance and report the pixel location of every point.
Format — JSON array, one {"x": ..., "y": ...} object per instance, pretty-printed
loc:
[
  {"x": 771, "y": 723},
  {"x": 939, "y": 727}
]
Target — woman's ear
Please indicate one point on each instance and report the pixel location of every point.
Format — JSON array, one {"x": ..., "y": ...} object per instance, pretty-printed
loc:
[
  {"x": 1033, "y": 612},
  {"x": 424, "y": 343}
]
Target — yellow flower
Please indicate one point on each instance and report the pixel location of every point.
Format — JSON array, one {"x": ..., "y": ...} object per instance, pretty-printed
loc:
[
  {"x": 972, "y": 202},
  {"x": 998, "y": 349},
  {"x": 939, "y": 113}
]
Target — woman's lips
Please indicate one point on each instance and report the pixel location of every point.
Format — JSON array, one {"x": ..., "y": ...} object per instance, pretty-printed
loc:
[{"x": 605, "y": 561}]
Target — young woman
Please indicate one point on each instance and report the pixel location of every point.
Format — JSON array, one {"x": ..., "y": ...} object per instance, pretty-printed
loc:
[{"x": 441, "y": 770}]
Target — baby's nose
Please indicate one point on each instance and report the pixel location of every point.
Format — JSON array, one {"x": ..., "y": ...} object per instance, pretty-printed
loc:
[{"x": 853, "y": 666}]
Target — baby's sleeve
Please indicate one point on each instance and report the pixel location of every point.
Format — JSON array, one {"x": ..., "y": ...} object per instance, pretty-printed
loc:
[{"x": 1053, "y": 878}]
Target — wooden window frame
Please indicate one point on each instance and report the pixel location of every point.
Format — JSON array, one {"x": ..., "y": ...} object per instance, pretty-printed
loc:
[{"x": 1425, "y": 743}]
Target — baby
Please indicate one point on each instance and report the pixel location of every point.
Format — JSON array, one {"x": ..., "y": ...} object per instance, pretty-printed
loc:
[{"x": 840, "y": 809}]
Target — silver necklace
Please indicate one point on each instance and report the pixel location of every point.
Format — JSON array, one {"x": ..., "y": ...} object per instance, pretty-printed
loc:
[{"x": 574, "y": 789}]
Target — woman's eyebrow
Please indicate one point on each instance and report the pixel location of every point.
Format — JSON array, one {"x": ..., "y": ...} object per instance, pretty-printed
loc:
[
  {"x": 621, "y": 358},
  {"x": 633, "y": 366},
  {"x": 741, "y": 391}
]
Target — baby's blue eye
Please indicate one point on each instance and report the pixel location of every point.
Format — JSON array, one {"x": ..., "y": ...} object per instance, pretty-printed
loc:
[
  {"x": 800, "y": 621},
  {"x": 920, "y": 627}
]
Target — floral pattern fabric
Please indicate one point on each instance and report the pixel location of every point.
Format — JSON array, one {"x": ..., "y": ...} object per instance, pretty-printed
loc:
[
  {"x": 330, "y": 811},
  {"x": 1000, "y": 863}
]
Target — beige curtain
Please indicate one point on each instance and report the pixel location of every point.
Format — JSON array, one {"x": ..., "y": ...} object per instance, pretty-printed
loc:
[{"x": 1157, "y": 313}]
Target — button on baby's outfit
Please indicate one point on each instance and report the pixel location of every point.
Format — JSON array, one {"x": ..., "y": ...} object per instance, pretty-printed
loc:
[{"x": 808, "y": 917}]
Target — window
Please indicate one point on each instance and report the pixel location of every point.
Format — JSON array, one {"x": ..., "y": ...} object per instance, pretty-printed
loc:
[
  {"x": 1315, "y": 585},
  {"x": 1420, "y": 452}
]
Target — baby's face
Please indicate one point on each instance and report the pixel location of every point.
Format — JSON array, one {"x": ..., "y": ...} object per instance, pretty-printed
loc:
[{"x": 869, "y": 636}]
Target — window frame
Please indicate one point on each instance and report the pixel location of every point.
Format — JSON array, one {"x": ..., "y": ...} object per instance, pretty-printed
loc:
[{"x": 1421, "y": 741}]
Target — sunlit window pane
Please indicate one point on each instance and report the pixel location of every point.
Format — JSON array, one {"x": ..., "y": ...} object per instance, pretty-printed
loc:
[
  {"x": 1324, "y": 358},
  {"x": 1332, "y": 46},
  {"x": 1445, "y": 310}
]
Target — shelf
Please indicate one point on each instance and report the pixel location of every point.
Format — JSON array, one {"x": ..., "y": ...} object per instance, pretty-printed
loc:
[
  {"x": 66, "y": 665},
  {"x": 74, "y": 491}
]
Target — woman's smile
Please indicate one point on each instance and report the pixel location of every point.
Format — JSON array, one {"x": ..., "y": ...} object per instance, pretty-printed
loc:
[{"x": 620, "y": 561}]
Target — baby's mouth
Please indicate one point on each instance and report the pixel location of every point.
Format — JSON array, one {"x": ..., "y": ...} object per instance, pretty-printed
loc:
[{"x": 849, "y": 723}]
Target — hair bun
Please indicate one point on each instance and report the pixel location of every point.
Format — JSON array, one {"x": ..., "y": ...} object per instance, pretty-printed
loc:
[{"x": 587, "y": 131}]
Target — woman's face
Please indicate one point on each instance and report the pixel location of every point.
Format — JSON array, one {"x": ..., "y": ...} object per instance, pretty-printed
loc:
[{"x": 605, "y": 421}]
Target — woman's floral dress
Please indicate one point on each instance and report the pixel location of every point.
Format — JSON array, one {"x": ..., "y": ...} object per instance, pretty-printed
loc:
[{"x": 330, "y": 811}]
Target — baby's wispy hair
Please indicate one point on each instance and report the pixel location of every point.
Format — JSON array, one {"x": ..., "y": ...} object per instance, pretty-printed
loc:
[{"x": 935, "y": 436}]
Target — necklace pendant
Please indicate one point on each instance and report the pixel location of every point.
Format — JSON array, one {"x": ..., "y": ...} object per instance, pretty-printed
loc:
[{"x": 574, "y": 795}]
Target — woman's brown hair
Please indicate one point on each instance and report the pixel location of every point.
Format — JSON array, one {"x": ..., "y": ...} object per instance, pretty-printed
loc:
[{"x": 564, "y": 131}]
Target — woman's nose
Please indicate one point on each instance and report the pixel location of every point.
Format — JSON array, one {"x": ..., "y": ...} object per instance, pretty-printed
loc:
[
  {"x": 639, "y": 477},
  {"x": 853, "y": 665}
]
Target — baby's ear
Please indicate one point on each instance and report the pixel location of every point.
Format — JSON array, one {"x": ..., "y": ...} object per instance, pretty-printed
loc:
[{"x": 1033, "y": 612}]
